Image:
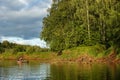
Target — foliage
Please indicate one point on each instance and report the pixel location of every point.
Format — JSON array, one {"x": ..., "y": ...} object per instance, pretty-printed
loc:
[
  {"x": 93, "y": 51},
  {"x": 72, "y": 23},
  {"x": 12, "y": 48}
]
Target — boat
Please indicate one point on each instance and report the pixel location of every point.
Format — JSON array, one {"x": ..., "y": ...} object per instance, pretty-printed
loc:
[{"x": 21, "y": 60}]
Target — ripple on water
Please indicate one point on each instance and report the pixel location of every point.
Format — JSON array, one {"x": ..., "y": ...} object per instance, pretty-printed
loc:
[{"x": 25, "y": 72}]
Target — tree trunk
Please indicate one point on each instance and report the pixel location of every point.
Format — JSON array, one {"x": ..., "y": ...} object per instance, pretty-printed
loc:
[{"x": 88, "y": 25}]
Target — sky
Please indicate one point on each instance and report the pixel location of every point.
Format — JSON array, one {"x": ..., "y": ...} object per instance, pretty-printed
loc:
[{"x": 21, "y": 21}]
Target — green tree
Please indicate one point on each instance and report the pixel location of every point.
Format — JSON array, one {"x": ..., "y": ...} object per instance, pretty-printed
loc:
[{"x": 71, "y": 23}]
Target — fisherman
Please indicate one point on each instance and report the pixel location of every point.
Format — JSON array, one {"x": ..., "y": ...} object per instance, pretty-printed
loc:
[{"x": 20, "y": 59}]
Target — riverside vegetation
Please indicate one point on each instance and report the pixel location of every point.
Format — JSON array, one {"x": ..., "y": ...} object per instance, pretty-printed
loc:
[
  {"x": 87, "y": 26},
  {"x": 82, "y": 30},
  {"x": 82, "y": 54}
]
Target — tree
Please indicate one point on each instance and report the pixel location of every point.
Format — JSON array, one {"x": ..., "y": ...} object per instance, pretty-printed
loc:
[{"x": 71, "y": 23}]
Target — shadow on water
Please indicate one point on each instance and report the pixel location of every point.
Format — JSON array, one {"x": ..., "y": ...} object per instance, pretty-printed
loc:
[{"x": 35, "y": 70}]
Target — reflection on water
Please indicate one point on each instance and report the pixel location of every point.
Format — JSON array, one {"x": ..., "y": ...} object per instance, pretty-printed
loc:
[
  {"x": 25, "y": 72},
  {"x": 85, "y": 72},
  {"x": 10, "y": 70}
]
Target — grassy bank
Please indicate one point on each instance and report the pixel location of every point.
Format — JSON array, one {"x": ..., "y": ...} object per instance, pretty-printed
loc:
[
  {"x": 88, "y": 54},
  {"x": 33, "y": 56},
  {"x": 77, "y": 54}
]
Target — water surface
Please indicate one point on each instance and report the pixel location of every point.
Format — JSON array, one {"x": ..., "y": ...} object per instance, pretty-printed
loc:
[
  {"x": 10, "y": 70},
  {"x": 35, "y": 70}
]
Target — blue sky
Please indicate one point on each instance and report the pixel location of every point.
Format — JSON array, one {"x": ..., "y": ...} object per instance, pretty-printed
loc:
[{"x": 21, "y": 20}]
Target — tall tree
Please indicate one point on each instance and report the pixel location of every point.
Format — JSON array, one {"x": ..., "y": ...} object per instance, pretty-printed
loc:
[{"x": 71, "y": 23}]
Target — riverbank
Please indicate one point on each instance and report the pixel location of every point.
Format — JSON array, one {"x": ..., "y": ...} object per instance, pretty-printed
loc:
[
  {"x": 90, "y": 54},
  {"x": 85, "y": 55},
  {"x": 53, "y": 58}
]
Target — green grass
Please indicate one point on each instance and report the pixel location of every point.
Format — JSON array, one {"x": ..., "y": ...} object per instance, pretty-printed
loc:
[
  {"x": 97, "y": 51},
  {"x": 37, "y": 55}
]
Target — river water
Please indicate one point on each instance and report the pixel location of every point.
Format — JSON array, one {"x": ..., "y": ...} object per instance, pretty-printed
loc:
[{"x": 35, "y": 70}]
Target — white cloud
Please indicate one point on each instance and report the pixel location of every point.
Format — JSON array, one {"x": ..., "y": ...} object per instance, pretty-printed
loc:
[
  {"x": 19, "y": 40},
  {"x": 32, "y": 8},
  {"x": 22, "y": 19},
  {"x": 23, "y": 1},
  {"x": 33, "y": 12}
]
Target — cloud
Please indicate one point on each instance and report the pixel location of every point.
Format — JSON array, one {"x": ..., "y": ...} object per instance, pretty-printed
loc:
[
  {"x": 23, "y": 1},
  {"x": 22, "y": 19},
  {"x": 17, "y": 16},
  {"x": 19, "y": 40},
  {"x": 11, "y": 5}
]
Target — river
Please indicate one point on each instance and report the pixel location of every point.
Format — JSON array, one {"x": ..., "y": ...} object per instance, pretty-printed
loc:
[{"x": 36, "y": 70}]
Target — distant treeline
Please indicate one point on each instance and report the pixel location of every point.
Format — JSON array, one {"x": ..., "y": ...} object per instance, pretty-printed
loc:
[
  {"x": 73, "y": 23},
  {"x": 7, "y": 47}
]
